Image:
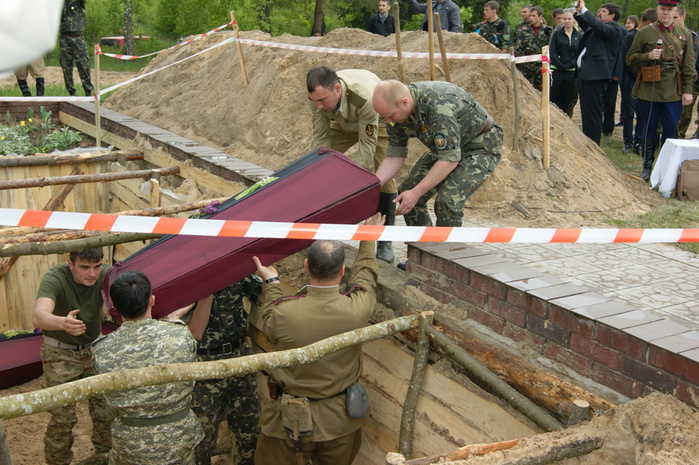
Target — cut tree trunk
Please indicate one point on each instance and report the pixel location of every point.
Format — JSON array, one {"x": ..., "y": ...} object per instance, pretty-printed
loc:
[
  {"x": 40, "y": 160},
  {"x": 85, "y": 178}
]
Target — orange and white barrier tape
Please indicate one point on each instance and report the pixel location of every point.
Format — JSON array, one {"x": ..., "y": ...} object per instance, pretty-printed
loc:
[
  {"x": 267, "y": 229},
  {"x": 65, "y": 98},
  {"x": 390, "y": 54},
  {"x": 136, "y": 57}
]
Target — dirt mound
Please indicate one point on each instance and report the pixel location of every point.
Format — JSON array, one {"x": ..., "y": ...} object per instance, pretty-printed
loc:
[
  {"x": 657, "y": 429},
  {"x": 268, "y": 122}
]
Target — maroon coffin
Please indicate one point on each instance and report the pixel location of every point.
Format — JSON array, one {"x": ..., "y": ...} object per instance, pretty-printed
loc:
[{"x": 324, "y": 186}]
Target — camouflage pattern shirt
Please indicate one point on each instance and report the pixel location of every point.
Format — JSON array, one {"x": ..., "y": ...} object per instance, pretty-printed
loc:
[
  {"x": 228, "y": 321},
  {"x": 497, "y": 33},
  {"x": 138, "y": 344},
  {"x": 446, "y": 119},
  {"x": 73, "y": 16},
  {"x": 528, "y": 42}
]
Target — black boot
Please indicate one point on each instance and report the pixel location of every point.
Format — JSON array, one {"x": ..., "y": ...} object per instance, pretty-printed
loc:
[
  {"x": 384, "y": 249},
  {"x": 696, "y": 133},
  {"x": 648, "y": 151},
  {"x": 39, "y": 87},
  {"x": 24, "y": 87}
]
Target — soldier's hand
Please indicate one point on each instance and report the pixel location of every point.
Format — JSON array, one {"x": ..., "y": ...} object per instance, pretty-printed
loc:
[
  {"x": 72, "y": 325},
  {"x": 406, "y": 201},
  {"x": 377, "y": 220},
  {"x": 655, "y": 54},
  {"x": 265, "y": 272}
]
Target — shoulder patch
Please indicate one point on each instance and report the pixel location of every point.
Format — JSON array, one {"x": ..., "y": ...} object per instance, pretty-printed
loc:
[
  {"x": 369, "y": 130},
  {"x": 440, "y": 140}
]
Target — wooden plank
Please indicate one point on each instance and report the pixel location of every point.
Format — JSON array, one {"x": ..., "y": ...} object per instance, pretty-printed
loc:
[{"x": 220, "y": 186}]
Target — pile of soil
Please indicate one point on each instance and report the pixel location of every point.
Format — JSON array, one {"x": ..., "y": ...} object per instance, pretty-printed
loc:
[
  {"x": 268, "y": 122},
  {"x": 657, "y": 429}
]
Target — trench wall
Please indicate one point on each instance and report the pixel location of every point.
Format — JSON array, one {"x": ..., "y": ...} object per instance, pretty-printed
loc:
[{"x": 605, "y": 341}]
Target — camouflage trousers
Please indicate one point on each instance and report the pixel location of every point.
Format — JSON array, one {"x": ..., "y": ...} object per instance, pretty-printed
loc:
[
  {"x": 532, "y": 73},
  {"x": 480, "y": 157},
  {"x": 74, "y": 49},
  {"x": 61, "y": 366},
  {"x": 237, "y": 398}
]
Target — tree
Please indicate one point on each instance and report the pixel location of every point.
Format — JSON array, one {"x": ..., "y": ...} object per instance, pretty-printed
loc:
[
  {"x": 318, "y": 20},
  {"x": 128, "y": 28}
]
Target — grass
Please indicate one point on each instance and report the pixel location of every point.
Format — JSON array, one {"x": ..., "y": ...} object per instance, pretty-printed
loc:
[{"x": 670, "y": 213}]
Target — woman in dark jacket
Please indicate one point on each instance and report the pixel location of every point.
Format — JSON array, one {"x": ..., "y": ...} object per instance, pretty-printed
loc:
[{"x": 563, "y": 50}]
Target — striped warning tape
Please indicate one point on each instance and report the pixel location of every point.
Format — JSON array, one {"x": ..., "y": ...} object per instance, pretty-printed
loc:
[
  {"x": 268, "y": 229},
  {"x": 136, "y": 57},
  {"x": 391, "y": 54}
]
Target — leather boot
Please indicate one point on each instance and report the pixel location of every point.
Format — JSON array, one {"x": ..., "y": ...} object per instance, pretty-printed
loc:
[
  {"x": 24, "y": 87},
  {"x": 384, "y": 249},
  {"x": 39, "y": 87},
  {"x": 696, "y": 133},
  {"x": 648, "y": 151}
]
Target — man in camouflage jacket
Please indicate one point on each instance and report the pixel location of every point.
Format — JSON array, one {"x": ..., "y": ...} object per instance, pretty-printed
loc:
[
  {"x": 154, "y": 424},
  {"x": 73, "y": 46},
  {"x": 464, "y": 145},
  {"x": 530, "y": 38},
  {"x": 220, "y": 324},
  {"x": 494, "y": 29}
]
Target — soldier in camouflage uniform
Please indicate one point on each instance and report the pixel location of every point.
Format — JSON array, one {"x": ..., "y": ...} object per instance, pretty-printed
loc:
[
  {"x": 220, "y": 325},
  {"x": 530, "y": 38},
  {"x": 464, "y": 145},
  {"x": 68, "y": 309},
  {"x": 155, "y": 424},
  {"x": 494, "y": 29},
  {"x": 687, "y": 110},
  {"x": 73, "y": 46}
]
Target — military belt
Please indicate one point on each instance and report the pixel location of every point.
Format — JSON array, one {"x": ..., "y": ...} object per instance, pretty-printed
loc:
[
  {"x": 344, "y": 391},
  {"x": 226, "y": 348},
  {"x": 62, "y": 345},
  {"x": 155, "y": 421}
]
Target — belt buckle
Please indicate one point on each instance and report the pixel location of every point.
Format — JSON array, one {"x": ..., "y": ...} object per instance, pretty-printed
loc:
[{"x": 227, "y": 348}]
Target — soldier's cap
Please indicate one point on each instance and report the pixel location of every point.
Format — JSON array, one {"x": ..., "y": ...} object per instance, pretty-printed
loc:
[{"x": 669, "y": 2}]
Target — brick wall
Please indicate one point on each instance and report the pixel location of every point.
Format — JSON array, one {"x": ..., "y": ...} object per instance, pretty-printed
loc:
[{"x": 630, "y": 351}]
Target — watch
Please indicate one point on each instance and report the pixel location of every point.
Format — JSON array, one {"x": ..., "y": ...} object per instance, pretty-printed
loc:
[{"x": 273, "y": 279}]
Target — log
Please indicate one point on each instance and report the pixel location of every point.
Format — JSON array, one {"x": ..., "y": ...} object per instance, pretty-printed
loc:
[
  {"x": 465, "y": 452},
  {"x": 42, "y": 159},
  {"x": 399, "y": 50},
  {"x": 549, "y": 391},
  {"x": 545, "y": 106},
  {"x": 442, "y": 49},
  {"x": 49, "y": 236},
  {"x": 537, "y": 414},
  {"x": 69, "y": 393},
  {"x": 515, "y": 89},
  {"x": 47, "y": 248},
  {"x": 534, "y": 453},
  {"x": 85, "y": 178},
  {"x": 579, "y": 412},
  {"x": 407, "y": 420}
]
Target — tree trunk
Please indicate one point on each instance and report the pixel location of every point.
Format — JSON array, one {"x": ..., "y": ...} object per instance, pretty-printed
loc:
[
  {"x": 40, "y": 160},
  {"x": 69, "y": 393},
  {"x": 465, "y": 452},
  {"x": 318, "y": 20},
  {"x": 5, "y": 458},
  {"x": 47, "y": 248},
  {"x": 128, "y": 28}
]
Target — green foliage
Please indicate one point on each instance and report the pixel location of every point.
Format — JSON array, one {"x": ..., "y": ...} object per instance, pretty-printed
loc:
[{"x": 27, "y": 136}]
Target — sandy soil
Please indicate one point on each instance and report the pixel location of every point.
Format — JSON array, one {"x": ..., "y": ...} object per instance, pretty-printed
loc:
[{"x": 268, "y": 122}]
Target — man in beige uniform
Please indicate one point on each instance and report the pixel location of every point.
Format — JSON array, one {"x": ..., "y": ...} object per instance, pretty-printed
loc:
[
  {"x": 330, "y": 430},
  {"x": 339, "y": 123}
]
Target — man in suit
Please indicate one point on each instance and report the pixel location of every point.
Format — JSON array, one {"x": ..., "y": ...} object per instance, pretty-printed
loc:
[{"x": 599, "y": 47}]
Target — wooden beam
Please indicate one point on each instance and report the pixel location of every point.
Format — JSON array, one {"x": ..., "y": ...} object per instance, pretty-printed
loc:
[
  {"x": 46, "y": 159},
  {"x": 86, "y": 178}
]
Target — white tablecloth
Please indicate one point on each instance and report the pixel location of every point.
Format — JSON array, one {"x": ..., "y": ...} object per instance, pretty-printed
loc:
[{"x": 666, "y": 169}]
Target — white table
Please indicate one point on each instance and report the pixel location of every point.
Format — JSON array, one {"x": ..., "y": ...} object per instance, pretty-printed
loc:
[{"x": 667, "y": 167}]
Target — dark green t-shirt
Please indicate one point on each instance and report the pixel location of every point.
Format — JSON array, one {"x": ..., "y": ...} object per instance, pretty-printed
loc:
[{"x": 58, "y": 285}]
